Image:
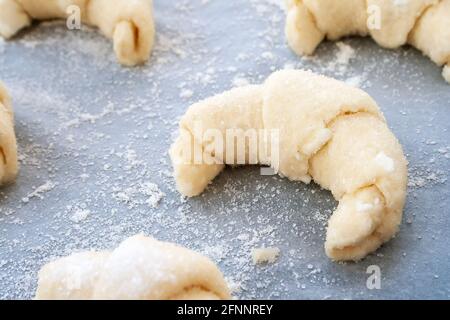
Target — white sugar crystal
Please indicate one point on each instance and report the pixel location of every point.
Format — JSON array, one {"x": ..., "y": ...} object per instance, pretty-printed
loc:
[
  {"x": 363, "y": 207},
  {"x": 385, "y": 162}
]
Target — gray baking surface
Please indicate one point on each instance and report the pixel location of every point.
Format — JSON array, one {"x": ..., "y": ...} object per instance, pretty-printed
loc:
[{"x": 93, "y": 139}]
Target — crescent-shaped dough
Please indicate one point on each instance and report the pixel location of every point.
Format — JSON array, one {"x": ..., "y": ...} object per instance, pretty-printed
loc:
[
  {"x": 141, "y": 268},
  {"x": 424, "y": 24},
  {"x": 8, "y": 145},
  {"x": 328, "y": 131},
  {"x": 128, "y": 22}
]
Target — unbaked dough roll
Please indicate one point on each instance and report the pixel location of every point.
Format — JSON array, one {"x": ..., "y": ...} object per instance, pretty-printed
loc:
[
  {"x": 128, "y": 22},
  {"x": 8, "y": 146},
  {"x": 329, "y": 132},
  {"x": 141, "y": 268},
  {"x": 425, "y": 24}
]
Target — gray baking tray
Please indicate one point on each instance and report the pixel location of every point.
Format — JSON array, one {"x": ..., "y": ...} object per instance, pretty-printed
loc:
[{"x": 93, "y": 139}]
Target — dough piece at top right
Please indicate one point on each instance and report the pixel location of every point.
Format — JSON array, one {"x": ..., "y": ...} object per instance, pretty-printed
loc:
[{"x": 424, "y": 24}]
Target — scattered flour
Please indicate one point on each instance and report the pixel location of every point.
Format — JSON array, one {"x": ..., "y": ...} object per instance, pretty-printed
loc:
[
  {"x": 153, "y": 193},
  {"x": 186, "y": 94},
  {"x": 80, "y": 215},
  {"x": 40, "y": 191}
]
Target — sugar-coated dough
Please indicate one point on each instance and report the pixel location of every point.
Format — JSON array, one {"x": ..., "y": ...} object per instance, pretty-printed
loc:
[
  {"x": 425, "y": 24},
  {"x": 128, "y": 22},
  {"x": 141, "y": 268},
  {"x": 8, "y": 146},
  {"x": 328, "y": 131}
]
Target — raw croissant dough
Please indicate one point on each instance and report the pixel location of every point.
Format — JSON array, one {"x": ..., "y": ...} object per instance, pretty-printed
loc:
[
  {"x": 8, "y": 146},
  {"x": 128, "y": 22},
  {"x": 328, "y": 131},
  {"x": 141, "y": 268},
  {"x": 424, "y": 24}
]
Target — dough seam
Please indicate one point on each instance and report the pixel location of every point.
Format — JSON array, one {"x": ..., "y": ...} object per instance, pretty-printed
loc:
[
  {"x": 2, "y": 153},
  {"x": 330, "y": 123},
  {"x": 23, "y": 10},
  {"x": 199, "y": 143},
  {"x": 419, "y": 19},
  {"x": 314, "y": 19}
]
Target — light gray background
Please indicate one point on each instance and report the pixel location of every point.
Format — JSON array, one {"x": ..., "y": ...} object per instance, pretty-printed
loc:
[{"x": 95, "y": 132}]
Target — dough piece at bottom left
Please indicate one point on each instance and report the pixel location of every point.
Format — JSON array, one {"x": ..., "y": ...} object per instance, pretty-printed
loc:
[
  {"x": 141, "y": 268},
  {"x": 8, "y": 145}
]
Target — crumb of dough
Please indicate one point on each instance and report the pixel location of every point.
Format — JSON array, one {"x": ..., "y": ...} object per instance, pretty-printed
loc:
[
  {"x": 345, "y": 53},
  {"x": 265, "y": 255}
]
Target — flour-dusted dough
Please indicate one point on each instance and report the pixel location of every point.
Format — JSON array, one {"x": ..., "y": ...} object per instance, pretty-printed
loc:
[
  {"x": 141, "y": 268},
  {"x": 328, "y": 131},
  {"x": 8, "y": 146},
  {"x": 425, "y": 24},
  {"x": 128, "y": 22}
]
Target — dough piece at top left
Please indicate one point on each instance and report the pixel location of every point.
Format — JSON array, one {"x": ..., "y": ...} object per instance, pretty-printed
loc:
[
  {"x": 8, "y": 145},
  {"x": 129, "y": 23}
]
